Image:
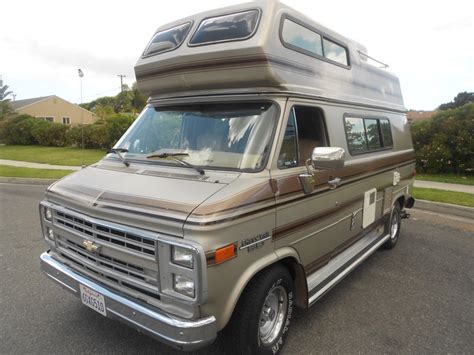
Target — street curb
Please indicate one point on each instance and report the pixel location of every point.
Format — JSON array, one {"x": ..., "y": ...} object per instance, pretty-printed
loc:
[
  {"x": 26, "y": 181},
  {"x": 445, "y": 208}
]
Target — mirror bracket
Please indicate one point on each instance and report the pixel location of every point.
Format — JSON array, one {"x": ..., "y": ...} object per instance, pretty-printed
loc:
[{"x": 324, "y": 158}]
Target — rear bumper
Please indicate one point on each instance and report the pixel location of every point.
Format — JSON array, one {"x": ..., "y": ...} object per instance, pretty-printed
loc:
[{"x": 179, "y": 333}]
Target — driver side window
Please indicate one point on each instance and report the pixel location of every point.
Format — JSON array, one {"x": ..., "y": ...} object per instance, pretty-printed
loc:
[{"x": 305, "y": 131}]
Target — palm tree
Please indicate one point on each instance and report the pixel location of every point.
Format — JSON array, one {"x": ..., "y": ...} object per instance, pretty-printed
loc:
[
  {"x": 4, "y": 93},
  {"x": 5, "y": 106}
]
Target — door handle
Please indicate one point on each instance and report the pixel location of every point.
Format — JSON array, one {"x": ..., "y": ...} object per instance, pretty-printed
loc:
[{"x": 334, "y": 182}]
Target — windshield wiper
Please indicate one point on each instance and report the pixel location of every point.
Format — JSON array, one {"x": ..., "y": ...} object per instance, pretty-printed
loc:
[
  {"x": 175, "y": 156},
  {"x": 118, "y": 151}
]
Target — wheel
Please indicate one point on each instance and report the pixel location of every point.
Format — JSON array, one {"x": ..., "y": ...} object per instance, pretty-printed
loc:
[
  {"x": 262, "y": 317},
  {"x": 394, "y": 226}
]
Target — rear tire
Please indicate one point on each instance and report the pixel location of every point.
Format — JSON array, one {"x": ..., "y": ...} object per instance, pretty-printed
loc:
[
  {"x": 394, "y": 226},
  {"x": 262, "y": 317}
]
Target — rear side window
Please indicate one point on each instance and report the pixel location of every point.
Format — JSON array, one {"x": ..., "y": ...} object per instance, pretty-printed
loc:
[
  {"x": 303, "y": 39},
  {"x": 232, "y": 27},
  {"x": 386, "y": 133},
  {"x": 367, "y": 134},
  {"x": 355, "y": 133},
  {"x": 373, "y": 134},
  {"x": 167, "y": 40},
  {"x": 335, "y": 52}
]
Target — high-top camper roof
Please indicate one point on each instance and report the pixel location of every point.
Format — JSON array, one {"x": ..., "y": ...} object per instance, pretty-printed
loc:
[{"x": 261, "y": 47}]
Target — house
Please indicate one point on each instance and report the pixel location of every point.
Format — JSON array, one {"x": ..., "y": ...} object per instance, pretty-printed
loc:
[
  {"x": 54, "y": 109},
  {"x": 417, "y": 115}
]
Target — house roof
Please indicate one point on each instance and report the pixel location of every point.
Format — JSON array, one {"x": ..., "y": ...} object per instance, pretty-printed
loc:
[
  {"x": 420, "y": 115},
  {"x": 22, "y": 103}
]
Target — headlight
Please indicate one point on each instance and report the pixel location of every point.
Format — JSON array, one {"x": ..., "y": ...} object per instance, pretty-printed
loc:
[
  {"x": 184, "y": 285},
  {"x": 48, "y": 214},
  {"x": 50, "y": 234},
  {"x": 182, "y": 256}
]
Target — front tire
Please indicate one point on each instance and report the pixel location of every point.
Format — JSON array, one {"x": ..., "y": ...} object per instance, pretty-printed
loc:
[
  {"x": 394, "y": 226},
  {"x": 262, "y": 317}
]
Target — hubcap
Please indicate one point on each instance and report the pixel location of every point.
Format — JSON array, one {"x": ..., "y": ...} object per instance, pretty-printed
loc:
[
  {"x": 273, "y": 315},
  {"x": 394, "y": 226}
]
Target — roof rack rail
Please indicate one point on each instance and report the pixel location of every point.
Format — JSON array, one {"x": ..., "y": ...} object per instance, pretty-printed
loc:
[{"x": 363, "y": 54}]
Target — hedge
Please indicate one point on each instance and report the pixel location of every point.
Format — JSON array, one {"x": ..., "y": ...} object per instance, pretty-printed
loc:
[
  {"x": 27, "y": 130},
  {"x": 445, "y": 144}
]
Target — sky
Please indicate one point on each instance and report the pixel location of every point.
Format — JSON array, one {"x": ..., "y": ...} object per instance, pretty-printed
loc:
[{"x": 429, "y": 45}]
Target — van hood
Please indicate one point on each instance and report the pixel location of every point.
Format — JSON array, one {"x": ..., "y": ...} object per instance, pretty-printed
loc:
[{"x": 160, "y": 194}]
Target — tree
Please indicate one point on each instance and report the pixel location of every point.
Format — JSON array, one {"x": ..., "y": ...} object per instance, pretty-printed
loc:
[
  {"x": 138, "y": 99},
  {"x": 127, "y": 101},
  {"x": 460, "y": 100},
  {"x": 5, "y": 106},
  {"x": 103, "y": 111}
]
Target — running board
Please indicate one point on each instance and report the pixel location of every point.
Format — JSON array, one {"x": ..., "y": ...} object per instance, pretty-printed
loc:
[{"x": 329, "y": 275}]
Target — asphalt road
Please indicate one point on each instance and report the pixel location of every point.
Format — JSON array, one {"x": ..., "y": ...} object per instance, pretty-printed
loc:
[{"x": 417, "y": 298}]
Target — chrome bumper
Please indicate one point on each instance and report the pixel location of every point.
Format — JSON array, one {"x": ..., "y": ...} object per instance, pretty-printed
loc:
[{"x": 179, "y": 333}]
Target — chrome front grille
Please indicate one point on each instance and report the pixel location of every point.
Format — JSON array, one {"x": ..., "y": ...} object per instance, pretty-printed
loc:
[
  {"x": 124, "y": 259},
  {"x": 106, "y": 233}
]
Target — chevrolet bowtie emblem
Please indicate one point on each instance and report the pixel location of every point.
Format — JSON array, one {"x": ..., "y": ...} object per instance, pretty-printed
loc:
[{"x": 90, "y": 246}]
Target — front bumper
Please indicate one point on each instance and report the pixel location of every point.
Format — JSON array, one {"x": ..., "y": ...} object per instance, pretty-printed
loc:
[{"x": 179, "y": 333}]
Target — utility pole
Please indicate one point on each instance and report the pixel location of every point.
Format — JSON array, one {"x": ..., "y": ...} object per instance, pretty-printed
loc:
[
  {"x": 81, "y": 75},
  {"x": 121, "y": 81}
]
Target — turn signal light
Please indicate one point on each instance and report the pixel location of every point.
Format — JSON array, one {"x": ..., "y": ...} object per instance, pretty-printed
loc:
[{"x": 225, "y": 253}]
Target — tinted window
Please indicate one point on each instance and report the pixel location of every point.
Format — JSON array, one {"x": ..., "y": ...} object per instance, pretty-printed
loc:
[
  {"x": 373, "y": 134},
  {"x": 226, "y": 28},
  {"x": 301, "y": 37},
  {"x": 289, "y": 151},
  {"x": 355, "y": 132},
  {"x": 167, "y": 40},
  {"x": 386, "y": 133},
  {"x": 335, "y": 52},
  {"x": 367, "y": 134},
  {"x": 304, "y": 132}
]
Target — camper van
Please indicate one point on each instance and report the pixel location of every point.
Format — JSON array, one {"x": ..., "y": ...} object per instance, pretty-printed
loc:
[{"x": 272, "y": 158}]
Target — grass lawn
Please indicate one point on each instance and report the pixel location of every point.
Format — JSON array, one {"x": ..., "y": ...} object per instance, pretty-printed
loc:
[
  {"x": 449, "y": 178},
  {"x": 50, "y": 155},
  {"x": 453, "y": 197},
  {"x": 13, "y": 171}
]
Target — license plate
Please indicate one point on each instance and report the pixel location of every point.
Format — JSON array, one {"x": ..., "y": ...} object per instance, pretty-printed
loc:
[{"x": 93, "y": 299}]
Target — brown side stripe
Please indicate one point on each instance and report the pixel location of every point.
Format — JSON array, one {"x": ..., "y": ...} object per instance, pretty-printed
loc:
[
  {"x": 299, "y": 195},
  {"x": 306, "y": 222},
  {"x": 246, "y": 202},
  {"x": 224, "y": 63},
  {"x": 290, "y": 184},
  {"x": 320, "y": 262}
]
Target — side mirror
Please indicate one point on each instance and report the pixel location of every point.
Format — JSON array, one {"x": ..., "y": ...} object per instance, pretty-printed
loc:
[
  {"x": 323, "y": 158},
  {"x": 328, "y": 158}
]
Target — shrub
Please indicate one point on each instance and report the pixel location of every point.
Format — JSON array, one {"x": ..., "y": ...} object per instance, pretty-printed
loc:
[
  {"x": 27, "y": 130},
  {"x": 95, "y": 136},
  {"x": 103, "y": 133},
  {"x": 19, "y": 129},
  {"x": 446, "y": 143},
  {"x": 116, "y": 127},
  {"x": 50, "y": 134}
]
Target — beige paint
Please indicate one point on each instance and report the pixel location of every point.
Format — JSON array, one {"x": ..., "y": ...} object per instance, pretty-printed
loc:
[{"x": 58, "y": 108}]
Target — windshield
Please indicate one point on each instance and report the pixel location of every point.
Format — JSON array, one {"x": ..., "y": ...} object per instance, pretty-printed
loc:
[{"x": 226, "y": 136}]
